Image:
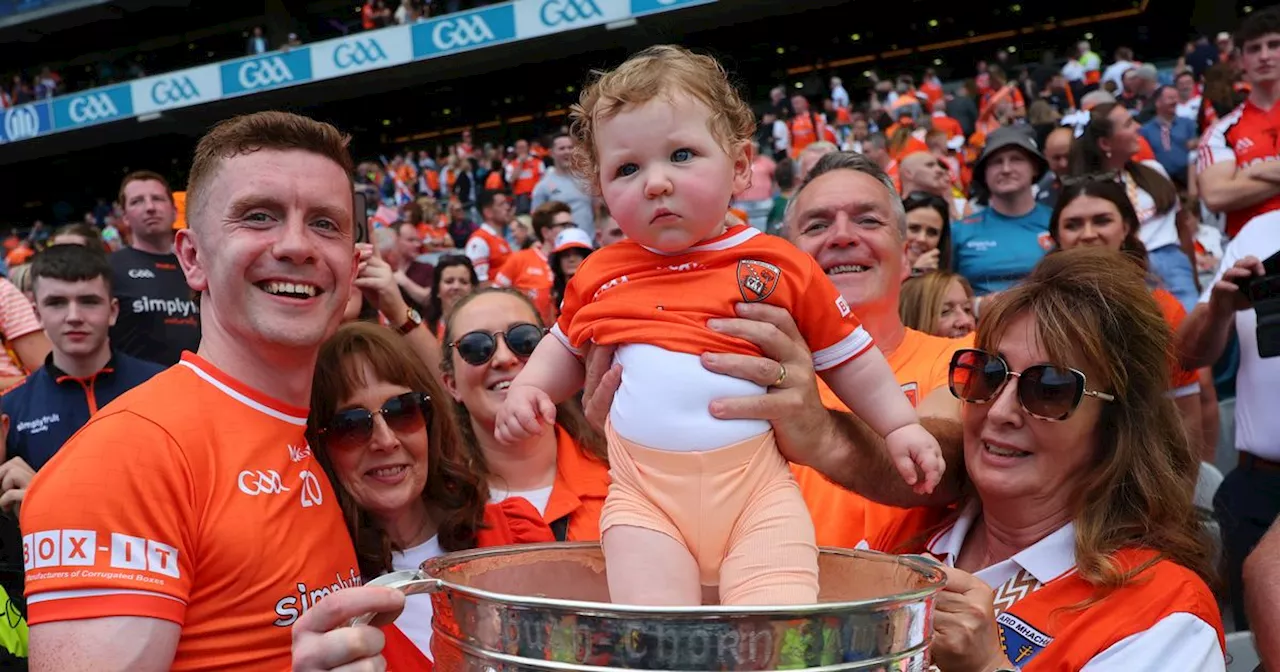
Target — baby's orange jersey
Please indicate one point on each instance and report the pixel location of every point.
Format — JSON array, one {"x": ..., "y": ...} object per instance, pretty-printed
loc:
[
  {"x": 627, "y": 293},
  {"x": 191, "y": 499}
]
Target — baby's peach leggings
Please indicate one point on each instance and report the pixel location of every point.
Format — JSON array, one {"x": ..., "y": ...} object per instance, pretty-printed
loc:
[{"x": 737, "y": 509}]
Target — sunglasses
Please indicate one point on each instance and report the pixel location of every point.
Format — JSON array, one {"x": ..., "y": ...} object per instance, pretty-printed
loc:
[
  {"x": 1045, "y": 391},
  {"x": 404, "y": 414},
  {"x": 478, "y": 347}
]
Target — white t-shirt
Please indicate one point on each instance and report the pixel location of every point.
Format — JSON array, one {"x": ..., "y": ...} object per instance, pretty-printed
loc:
[
  {"x": 1258, "y": 379},
  {"x": 538, "y": 498},
  {"x": 1157, "y": 230},
  {"x": 1190, "y": 109},
  {"x": 415, "y": 620}
]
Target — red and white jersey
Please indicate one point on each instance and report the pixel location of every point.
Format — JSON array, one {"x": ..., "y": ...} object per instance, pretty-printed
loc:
[
  {"x": 487, "y": 251},
  {"x": 1165, "y": 619},
  {"x": 190, "y": 499},
  {"x": 627, "y": 293},
  {"x": 1245, "y": 136}
]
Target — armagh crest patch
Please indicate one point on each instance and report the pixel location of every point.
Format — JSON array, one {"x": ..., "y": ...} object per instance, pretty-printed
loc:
[
  {"x": 1020, "y": 641},
  {"x": 757, "y": 279}
]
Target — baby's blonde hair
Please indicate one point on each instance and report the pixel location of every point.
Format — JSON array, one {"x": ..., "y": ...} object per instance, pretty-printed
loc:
[{"x": 662, "y": 70}]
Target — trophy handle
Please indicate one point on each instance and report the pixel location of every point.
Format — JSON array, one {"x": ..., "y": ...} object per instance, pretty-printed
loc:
[{"x": 409, "y": 582}]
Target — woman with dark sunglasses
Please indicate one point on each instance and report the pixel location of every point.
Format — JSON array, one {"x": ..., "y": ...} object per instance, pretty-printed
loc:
[
  {"x": 1078, "y": 547},
  {"x": 1097, "y": 213},
  {"x": 388, "y": 440},
  {"x": 563, "y": 473}
]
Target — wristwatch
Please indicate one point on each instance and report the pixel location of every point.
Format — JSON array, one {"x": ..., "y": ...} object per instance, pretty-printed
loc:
[{"x": 412, "y": 321}]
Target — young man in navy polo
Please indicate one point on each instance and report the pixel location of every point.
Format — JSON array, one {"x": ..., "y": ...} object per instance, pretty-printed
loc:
[{"x": 72, "y": 286}]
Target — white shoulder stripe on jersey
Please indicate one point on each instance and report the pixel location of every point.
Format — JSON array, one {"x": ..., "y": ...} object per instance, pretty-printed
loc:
[
  {"x": 849, "y": 347},
  {"x": 204, "y": 375},
  {"x": 95, "y": 592},
  {"x": 714, "y": 246}
]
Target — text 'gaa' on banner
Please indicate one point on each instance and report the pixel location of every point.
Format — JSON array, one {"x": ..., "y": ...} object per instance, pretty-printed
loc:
[
  {"x": 461, "y": 32},
  {"x": 91, "y": 107},
  {"x": 535, "y": 18},
  {"x": 177, "y": 89},
  {"x": 269, "y": 71},
  {"x": 361, "y": 52}
]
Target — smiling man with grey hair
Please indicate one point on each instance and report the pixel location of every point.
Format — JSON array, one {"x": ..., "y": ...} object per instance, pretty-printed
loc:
[{"x": 847, "y": 215}]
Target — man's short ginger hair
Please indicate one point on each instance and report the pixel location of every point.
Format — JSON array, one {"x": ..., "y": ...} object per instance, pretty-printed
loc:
[
  {"x": 249, "y": 133},
  {"x": 662, "y": 70}
]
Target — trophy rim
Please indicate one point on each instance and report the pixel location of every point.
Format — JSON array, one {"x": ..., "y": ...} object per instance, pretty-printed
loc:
[{"x": 433, "y": 567}]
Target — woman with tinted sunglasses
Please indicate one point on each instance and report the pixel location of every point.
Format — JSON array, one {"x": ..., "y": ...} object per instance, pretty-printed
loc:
[
  {"x": 1079, "y": 547},
  {"x": 1097, "y": 213},
  {"x": 564, "y": 473},
  {"x": 387, "y": 438}
]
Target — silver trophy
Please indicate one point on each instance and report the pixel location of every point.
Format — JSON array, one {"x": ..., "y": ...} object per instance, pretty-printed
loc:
[{"x": 546, "y": 607}]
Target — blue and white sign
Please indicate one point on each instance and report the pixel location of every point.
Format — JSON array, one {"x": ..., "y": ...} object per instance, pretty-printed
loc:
[
  {"x": 535, "y": 18},
  {"x": 177, "y": 89},
  {"x": 370, "y": 50},
  {"x": 269, "y": 71},
  {"x": 364, "y": 51},
  {"x": 25, "y": 122},
  {"x": 460, "y": 32},
  {"x": 642, "y": 7},
  {"x": 93, "y": 107}
]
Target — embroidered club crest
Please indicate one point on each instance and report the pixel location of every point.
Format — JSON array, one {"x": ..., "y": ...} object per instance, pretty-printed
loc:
[
  {"x": 757, "y": 279},
  {"x": 1020, "y": 641}
]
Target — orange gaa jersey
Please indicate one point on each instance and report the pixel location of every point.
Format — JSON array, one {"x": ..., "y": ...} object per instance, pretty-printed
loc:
[
  {"x": 841, "y": 518},
  {"x": 1165, "y": 613},
  {"x": 207, "y": 509},
  {"x": 626, "y": 293},
  {"x": 529, "y": 272}
]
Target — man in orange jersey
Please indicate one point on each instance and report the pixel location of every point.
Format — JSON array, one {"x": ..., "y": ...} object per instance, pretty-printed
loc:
[
  {"x": 524, "y": 171},
  {"x": 528, "y": 270},
  {"x": 847, "y": 216},
  {"x": 188, "y": 526}
]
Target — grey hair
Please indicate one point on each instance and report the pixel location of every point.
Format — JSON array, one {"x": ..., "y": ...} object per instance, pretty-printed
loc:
[{"x": 858, "y": 163}]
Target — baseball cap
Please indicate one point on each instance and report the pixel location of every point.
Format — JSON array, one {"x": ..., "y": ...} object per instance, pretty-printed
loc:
[{"x": 570, "y": 238}]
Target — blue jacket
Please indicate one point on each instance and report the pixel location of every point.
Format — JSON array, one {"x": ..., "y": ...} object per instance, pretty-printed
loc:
[{"x": 49, "y": 406}]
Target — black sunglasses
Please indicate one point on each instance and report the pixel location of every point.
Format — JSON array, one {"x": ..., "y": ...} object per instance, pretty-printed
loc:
[
  {"x": 478, "y": 347},
  {"x": 1045, "y": 391},
  {"x": 404, "y": 414}
]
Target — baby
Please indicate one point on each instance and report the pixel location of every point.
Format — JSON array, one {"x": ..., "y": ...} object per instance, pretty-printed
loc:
[{"x": 696, "y": 500}]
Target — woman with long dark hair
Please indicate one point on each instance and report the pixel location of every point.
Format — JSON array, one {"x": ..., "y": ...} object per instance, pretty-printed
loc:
[
  {"x": 455, "y": 278},
  {"x": 385, "y": 432},
  {"x": 1106, "y": 148},
  {"x": 928, "y": 232}
]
